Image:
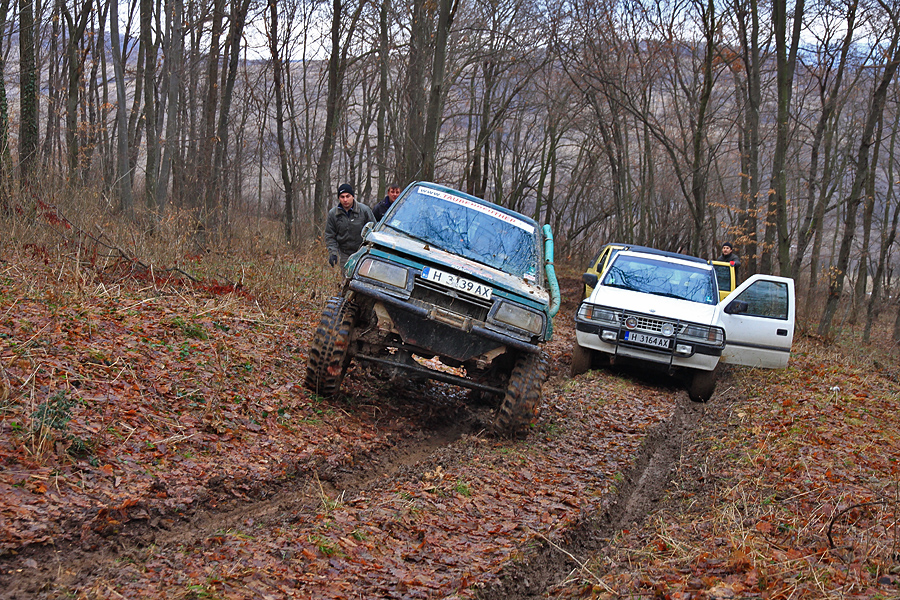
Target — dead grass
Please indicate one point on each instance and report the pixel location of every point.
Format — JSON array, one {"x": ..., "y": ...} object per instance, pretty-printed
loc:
[{"x": 82, "y": 233}]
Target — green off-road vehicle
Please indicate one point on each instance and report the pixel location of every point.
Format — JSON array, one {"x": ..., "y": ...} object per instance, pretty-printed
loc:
[{"x": 446, "y": 287}]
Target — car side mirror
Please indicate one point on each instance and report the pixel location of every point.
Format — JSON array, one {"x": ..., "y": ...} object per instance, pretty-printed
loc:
[
  {"x": 367, "y": 229},
  {"x": 590, "y": 279},
  {"x": 736, "y": 307}
]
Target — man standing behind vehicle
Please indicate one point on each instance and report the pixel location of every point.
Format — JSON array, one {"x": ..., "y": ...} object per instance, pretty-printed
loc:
[
  {"x": 729, "y": 256},
  {"x": 343, "y": 230},
  {"x": 382, "y": 207}
]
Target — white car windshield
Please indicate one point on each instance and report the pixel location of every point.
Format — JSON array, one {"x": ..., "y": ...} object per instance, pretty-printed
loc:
[
  {"x": 470, "y": 229},
  {"x": 663, "y": 278}
]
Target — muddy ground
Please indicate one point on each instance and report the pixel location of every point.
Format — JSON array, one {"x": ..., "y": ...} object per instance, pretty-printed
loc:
[{"x": 441, "y": 510}]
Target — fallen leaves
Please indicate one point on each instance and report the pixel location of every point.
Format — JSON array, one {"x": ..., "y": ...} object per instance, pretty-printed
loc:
[{"x": 799, "y": 456}]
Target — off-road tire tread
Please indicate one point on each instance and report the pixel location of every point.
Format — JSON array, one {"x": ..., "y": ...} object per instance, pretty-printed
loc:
[
  {"x": 329, "y": 349},
  {"x": 702, "y": 385},
  {"x": 521, "y": 405},
  {"x": 582, "y": 359}
]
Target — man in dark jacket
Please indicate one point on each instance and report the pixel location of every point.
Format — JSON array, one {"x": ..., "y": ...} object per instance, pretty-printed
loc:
[
  {"x": 729, "y": 256},
  {"x": 343, "y": 230},
  {"x": 383, "y": 206}
]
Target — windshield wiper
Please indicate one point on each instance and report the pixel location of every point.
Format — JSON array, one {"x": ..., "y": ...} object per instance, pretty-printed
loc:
[
  {"x": 668, "y": 295},
  {"x": 621, "y": 286}
]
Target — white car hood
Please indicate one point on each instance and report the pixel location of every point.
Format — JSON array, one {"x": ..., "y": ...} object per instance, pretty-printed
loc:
[{"x": 660, "y": 306}]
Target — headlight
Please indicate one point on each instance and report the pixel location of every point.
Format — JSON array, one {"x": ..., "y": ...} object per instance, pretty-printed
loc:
[
  {"x": 591, "y": 312},
  {"x": 517, "y": 316},
  {"x": 384, "y": 272},
  {"x": 702, "y": 333}
]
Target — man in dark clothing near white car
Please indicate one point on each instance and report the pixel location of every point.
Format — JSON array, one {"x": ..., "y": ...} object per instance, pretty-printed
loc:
[
  {"x": 382, "y": 207},
  {"x": 729, "y": 256},
  {"x": 343, "y": 230}
]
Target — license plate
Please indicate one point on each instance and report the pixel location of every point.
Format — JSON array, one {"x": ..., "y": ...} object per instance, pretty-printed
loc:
[
  {"x": 457, "y": 283},
  {"x": 647, "y": 340}
]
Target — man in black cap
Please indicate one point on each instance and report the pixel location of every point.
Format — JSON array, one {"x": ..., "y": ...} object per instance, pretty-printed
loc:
[
  {"x": 343, "y": 230},
  {"x": 729, "y": 256}
]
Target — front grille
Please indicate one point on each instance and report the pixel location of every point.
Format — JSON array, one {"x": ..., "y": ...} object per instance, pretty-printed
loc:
[
  {"x": 448, "y": 299},
  {"x": 649, "y": 324}
]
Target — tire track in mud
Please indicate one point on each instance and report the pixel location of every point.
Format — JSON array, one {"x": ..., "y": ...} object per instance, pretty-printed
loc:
[
  {"x": 31, "y": 570},
  {"x": 443, "y": 421},
  {"x": 644, "y": 483}
]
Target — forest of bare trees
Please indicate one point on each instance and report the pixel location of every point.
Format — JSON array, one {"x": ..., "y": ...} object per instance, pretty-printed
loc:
[{"x": 679, "y": 124}]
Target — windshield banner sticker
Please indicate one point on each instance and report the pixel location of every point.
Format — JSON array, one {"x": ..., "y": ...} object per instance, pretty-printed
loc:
[{"x": 479, "y": 207}]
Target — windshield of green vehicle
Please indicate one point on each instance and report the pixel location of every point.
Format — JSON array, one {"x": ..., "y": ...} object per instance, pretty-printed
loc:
[
  {"x": 470, "y": 229},
  {"x": 662, "y": 278}
]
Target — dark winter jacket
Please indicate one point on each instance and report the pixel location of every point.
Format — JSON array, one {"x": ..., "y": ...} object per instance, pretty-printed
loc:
[
  {"x": 343, "y": 230},
  {"x": 381, "y": 208}
]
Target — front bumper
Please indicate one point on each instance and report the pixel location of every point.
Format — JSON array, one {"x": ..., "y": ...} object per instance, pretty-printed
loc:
[
  {"x": 440, "y": 331},
  {"x": 611, "y": 339}
]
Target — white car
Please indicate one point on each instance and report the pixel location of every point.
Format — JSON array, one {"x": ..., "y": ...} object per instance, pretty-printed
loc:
[{"x": 663, "y": 309}]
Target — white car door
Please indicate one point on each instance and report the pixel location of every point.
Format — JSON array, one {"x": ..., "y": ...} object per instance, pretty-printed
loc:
[{"x": 758, "y": 318}]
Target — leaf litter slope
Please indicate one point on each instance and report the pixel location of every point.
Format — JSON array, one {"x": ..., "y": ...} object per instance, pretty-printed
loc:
[
  {"x": 788, "y": 490},
  {"x": 156, "y": 442},
  {"x": 192, "y": 464}
]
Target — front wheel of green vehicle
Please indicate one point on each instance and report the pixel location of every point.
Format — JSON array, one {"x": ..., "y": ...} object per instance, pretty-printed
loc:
[
  {"x": 329, "y": 351},
  {"x": 521, "y": 404}
]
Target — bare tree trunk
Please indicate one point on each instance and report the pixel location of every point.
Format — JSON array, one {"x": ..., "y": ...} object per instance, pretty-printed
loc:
[
  {"x": 174, "y": 53},
  {"x": 208, "y": 121},
  {"x": 233, "y": 43},
  {"x": 810, "y": 223},
  {"x": 334, "y": 105},
  {"x": 819, "y": 215},
  {"x": 5, "y": 154},
  {"x": 778, "y": 196},
  {"x": 123, "y": 170},
  {"x": 699, "y": 144},
  {"x": 478, "y": 173},
  {"x": 420, "y": 32},
  {"x": 876, "y": 109},
  {"x": 28, "y": 118},
  {"x": 151, "y": 173},
  {"x": 384, "y": 67},
  {"x": 750, "y": 184},
  {"x": 887, "y": 235},
  {"x": 76, "y": 63},
  {"x": 862, "y": 268},
  {"x": 94, "y": 142},
  {"x": 447, "y": 12},
  {"x": 54, "y": 84},
  {"x": 286, "y": 179}
]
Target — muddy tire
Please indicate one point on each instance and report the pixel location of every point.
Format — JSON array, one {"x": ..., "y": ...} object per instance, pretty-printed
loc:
[
  {"x": 329, "y": 351},
  {"x": 702, "y": 385},
  {"x": 521, "y": 404},
  {"x": 582, "y": 359}
]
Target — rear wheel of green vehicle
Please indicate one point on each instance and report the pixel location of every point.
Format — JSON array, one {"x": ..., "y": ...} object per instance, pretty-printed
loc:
[
  {"x": 329, "y": 351},
  {"x": 521, "y": 404},
  {"x": 702, "y": 385},
  {"x": 581, "y": 359}
]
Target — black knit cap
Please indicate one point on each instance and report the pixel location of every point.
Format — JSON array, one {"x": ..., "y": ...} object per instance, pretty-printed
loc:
[
  {"x": 346, "y": 187},
  {"x": 728, "y": 244}
]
